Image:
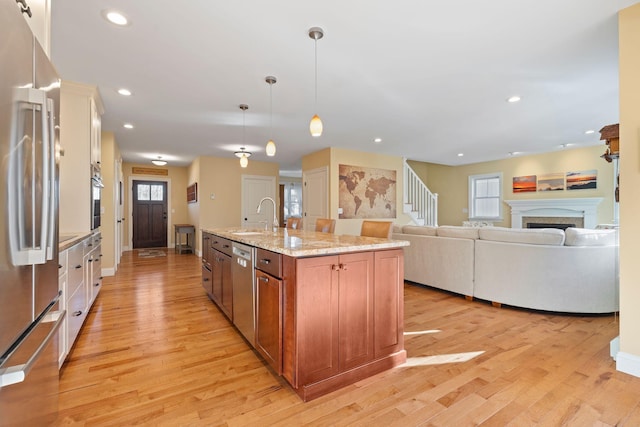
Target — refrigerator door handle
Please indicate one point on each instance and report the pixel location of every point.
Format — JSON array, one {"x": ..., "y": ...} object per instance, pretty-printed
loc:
[
  {"x": 17, "y": 374},
  {"x": 21, "y": 253},
  {"x": 51, "y": 177}
]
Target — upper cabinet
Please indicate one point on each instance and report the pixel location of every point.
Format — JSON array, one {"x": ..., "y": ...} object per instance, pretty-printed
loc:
[
  {"x": 80, "y": 129},
  {"x": 39, "y": 21}
]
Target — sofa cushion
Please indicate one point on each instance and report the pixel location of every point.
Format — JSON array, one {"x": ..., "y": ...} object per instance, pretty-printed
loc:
[
  {"x": 538, "y": 236},
  {"x": 457, "y": 231},
  {"x": 588, "y": 237},
  {"x": 419, "y": 229}
]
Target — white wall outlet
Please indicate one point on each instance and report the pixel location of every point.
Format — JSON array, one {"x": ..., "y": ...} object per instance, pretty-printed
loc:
[
  {"x": 340, "y": 211},
  {"x": 212, "y": 196}
]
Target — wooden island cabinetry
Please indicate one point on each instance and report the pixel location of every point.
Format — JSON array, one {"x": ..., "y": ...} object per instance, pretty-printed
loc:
[
  {"x": 216, "y": 271},
  {"x": 329, "y": 310}
]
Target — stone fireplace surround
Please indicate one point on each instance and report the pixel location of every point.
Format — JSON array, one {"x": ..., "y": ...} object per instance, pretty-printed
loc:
[{"x": 583, "y": 212}]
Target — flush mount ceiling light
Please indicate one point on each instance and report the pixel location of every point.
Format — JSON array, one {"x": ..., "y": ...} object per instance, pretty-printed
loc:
[
  {"x": 243, "y": 154},
  {"x": 115, "y": 17},
  {"x": 589, "y": 132},
  {"x": 159, "y": 161},
  {"x": 271, "y": 146},
  {"x": 315, "y": 126},
  {"x": 124, "y": 92},
  {"x": 514, "y": 98},
  {"x": 127, "y": 126}
]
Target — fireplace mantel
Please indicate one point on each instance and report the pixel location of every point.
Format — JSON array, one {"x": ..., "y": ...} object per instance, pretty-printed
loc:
[{"x": 586, "y": 208}]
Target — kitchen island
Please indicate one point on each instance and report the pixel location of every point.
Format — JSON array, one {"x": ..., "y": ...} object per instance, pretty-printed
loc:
[{"x": 328, "y": 309}]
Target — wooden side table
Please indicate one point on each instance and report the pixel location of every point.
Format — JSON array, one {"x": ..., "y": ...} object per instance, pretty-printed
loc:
[{"x": 189, "y": 231}]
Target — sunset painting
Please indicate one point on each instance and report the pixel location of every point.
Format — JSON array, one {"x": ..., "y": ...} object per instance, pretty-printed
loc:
[
  {"x": 551, "y": 182},
  {"x": 523, "y": 184},
  {"x": 582, "y": 180}
]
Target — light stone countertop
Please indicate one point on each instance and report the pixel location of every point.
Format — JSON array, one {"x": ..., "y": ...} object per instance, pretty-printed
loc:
[
  {"x": 302, "y": 243},
  {"x": 67, "y": 240}
]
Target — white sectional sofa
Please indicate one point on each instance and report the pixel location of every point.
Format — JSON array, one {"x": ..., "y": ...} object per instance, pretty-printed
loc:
[{"x": 572, "y": 271}]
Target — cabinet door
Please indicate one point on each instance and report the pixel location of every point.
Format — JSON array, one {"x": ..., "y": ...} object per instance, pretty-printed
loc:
[
  {"x": 389, "y": 302},
  {"x": 226, "y": 286},
  {"x": 216, "y": 277},
  {"x": 356, "y": 309},
  {"x": 317, "y": 318},
  {"x": 269, "y": 319},
  {"x": 207, "y": 279},
  {"x": 206, "y": 247}
]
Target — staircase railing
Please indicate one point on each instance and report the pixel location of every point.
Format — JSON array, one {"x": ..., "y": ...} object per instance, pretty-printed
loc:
[{"x": 423, "y": 204}]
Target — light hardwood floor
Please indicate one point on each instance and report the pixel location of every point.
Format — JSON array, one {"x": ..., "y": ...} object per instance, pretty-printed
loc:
[{"x": 156, "y": 351}]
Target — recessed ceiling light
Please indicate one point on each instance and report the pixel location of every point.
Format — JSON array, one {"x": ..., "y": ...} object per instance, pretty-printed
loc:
[
  {"x": 513, "y": 99},
  {"x": 513, "y": 153},
  {"x": 114, "y": 17},
  {"x": 124, "y": 92},
  {"x": 460, "y": 154},
  {"x": 377, "y": 140},
  {"x": 589, "y": 132},
  {"x": 128, "y": 126}
]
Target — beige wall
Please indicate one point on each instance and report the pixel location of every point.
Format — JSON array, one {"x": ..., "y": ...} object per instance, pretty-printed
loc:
[
  {"x": 221, "y": 177},
  {"x": 452, "y": 182},
  {"x": 629, "y": 28},
  {"x": 177, "y": 188},
  {"x": 332, "y": 158}
]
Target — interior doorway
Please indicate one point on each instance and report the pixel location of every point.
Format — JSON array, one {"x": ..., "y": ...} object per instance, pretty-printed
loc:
[
  {"x": 254, "y": 188},
  {"x": 149, "y": 214},
  {"x": 315, "y": 196}
]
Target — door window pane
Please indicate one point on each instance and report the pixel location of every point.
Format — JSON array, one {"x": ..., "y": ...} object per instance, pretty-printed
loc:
[
  {"x": 156, "y": 192},
  {"x": 144, "y": 192}
]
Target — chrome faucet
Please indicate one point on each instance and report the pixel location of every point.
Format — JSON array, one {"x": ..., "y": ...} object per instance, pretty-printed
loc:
[{"x": 275, "y": 218}]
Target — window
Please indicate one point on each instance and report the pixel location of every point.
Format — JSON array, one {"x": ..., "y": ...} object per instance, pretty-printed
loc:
[
  {"x": 150, "y": 192},
  {"x": 292, "y": 200},
  {"x": 485, "y": 196}
]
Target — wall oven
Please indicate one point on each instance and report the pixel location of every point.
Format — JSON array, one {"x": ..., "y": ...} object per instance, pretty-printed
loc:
[{"x": 96, "y": 189}]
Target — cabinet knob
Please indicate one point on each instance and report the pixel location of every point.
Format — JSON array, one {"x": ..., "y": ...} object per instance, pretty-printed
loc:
[
  {"x": 335, "y": 267},
  {"x": 263, "y": 279},
  {"x": 78, "y": 266},
  {"x": 77, "y": 313},
  {"x": 342, "y": 266},
  {"x": 265, "y": 261}
]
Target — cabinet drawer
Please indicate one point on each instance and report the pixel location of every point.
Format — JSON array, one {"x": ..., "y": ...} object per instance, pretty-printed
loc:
[
  {"x": 269, "y": 262},
  {"x": 75, "y": 269},
  {"x": 77, "y": 312},
  {"x": 90, "y": 243},
  {"x": 221, "y": 244},
  {"x": 62, "y": 263}
]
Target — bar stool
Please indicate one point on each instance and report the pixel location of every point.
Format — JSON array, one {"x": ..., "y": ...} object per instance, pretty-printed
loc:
[
  {"x": 294, "y": 223},
  {"x": 325, "y": 225},
  {"x": 376, "y": 229}
]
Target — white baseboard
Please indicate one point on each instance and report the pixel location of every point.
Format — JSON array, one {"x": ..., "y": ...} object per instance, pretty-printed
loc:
[
  {"x": 628, "y": 363},
  {"x": 614, "y": 347},
  {"x": 108, "y": 272}
]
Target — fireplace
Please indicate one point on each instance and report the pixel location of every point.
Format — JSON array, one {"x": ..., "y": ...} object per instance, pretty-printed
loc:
[{"x": 579, "y": 212}]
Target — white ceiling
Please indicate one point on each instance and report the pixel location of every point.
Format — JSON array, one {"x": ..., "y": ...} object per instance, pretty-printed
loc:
[{"x": 430, "y": 78}]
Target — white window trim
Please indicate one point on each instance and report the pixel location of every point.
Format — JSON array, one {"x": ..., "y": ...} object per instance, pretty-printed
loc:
[{"x": 472, "y": 179}]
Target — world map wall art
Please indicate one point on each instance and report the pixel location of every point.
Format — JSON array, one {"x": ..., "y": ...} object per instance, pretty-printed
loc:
[{"x": 366, "y": 192}]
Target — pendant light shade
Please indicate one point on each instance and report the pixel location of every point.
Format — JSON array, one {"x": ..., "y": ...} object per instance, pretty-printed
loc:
[
  {"x": 271, "y": 146},
  {"x": 243, "y": 154},
  {"x": 315, "y": 126}
]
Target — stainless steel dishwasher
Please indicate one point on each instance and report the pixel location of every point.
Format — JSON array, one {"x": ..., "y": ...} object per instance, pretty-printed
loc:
[{"x": 244, "y": 290}]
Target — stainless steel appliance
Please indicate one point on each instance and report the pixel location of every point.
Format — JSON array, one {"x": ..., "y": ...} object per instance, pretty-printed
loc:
[
  {"x": 96, "y": 189},
  {"x": 243, "y": 290},
  {"x": 29, "y": 316}
]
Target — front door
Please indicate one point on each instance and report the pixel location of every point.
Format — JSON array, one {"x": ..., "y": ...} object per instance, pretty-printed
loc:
[{"x": 149, "y": 214}]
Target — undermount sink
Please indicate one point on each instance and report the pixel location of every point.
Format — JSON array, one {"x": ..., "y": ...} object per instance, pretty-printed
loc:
[{"x": 246, "y": 233}]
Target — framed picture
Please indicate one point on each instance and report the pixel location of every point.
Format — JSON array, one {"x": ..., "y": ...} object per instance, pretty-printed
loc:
[
  {"x": 551, "y": 182},
  {"x": 582, "y": 180},
  {"x": 524, "y": 184},
  {"x": 365, "y": 192},
  {"x": 192, "y": 193}
]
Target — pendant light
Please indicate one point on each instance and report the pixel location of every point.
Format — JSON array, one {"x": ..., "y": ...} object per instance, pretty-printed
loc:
[
  {"x": 315, "y": 126},
  {"x": 271, "y": 146},
  {"x": 243, "y": 154}
]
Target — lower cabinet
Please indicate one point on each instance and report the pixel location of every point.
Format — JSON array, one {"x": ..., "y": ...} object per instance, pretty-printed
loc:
[
  {"x": 80, "y": 280},
  {"x": 343, "y": 319},
  {"x": 269, "y": 318},
  {"x": 216, "y": 271}
]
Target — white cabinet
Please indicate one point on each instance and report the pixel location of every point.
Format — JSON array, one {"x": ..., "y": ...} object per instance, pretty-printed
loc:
[
  {"x": 40, "y": 22},
  {"x": 80, "y": 128},
  {"x": 80, "y": 280}
]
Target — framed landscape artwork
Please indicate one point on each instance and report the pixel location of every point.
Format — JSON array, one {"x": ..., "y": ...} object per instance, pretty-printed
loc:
[
  {"x": 524, "y": 184},
  {"x": 551, "y": 182},
  {"x": 366, "y": 192},
  {"x": 582, "y": 180}
]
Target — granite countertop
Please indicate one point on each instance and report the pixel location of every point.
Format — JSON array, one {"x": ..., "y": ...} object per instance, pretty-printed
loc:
[
  {"x": 67, "y": 240},
  {"x": 302, "y": 243}
]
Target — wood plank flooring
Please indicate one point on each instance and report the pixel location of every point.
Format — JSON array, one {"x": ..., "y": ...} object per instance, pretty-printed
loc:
[{"x": 156, "y": 351}]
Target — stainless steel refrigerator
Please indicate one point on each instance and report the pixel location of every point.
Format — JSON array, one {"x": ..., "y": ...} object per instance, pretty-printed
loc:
[{"x": 29, "y": 310}]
